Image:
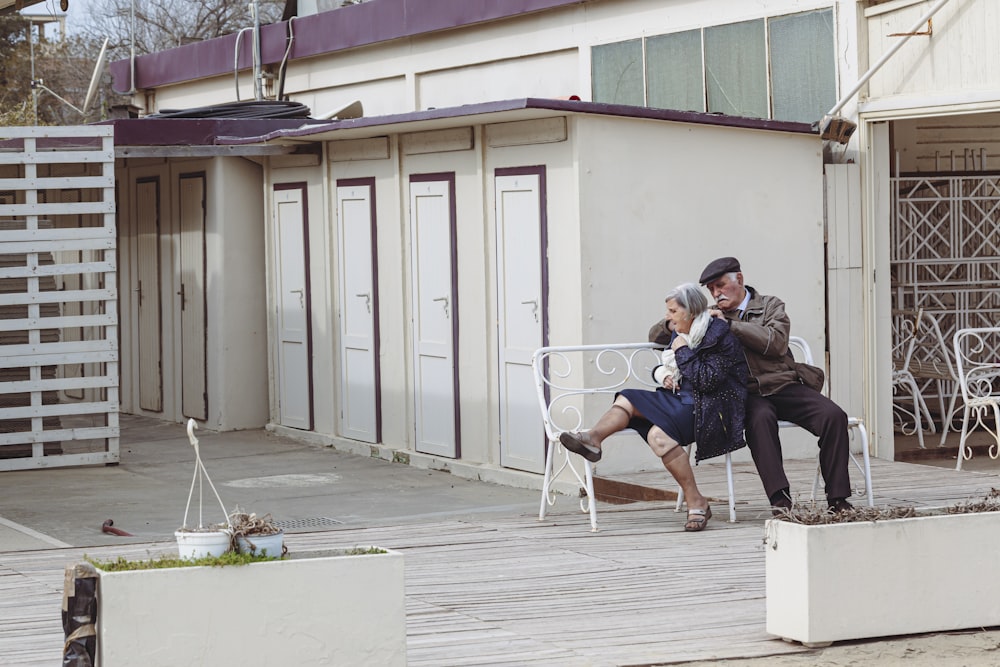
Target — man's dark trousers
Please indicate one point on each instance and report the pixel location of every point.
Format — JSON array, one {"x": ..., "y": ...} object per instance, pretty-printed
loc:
[{"x": 812, "y": 411}]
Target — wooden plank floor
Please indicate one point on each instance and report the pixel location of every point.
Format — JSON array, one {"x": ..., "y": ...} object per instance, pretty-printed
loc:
[{"x": 516, "y": 591}]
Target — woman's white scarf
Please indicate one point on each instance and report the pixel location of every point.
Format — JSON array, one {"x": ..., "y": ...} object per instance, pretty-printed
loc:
[{"x": 668, "y": 361}]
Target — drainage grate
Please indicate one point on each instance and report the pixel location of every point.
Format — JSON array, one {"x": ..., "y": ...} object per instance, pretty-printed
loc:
[{"x": 314, "y": 522}]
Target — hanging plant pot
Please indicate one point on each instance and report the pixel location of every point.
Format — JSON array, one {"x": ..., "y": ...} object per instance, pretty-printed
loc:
[
  {"x": 194, "y": 543},
  {"x": 204, "y": 540}
]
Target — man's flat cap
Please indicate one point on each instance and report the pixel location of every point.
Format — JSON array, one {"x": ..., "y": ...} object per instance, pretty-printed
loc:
[{"x": 719, "y": 267}]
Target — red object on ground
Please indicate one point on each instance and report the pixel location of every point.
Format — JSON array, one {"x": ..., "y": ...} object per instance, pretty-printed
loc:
[{"x": 109, "y": 527}]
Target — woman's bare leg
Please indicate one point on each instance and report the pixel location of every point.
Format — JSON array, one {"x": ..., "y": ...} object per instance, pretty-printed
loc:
[
  {"x": 675, "y": 460},
  {"x": 614, "y": 420}
]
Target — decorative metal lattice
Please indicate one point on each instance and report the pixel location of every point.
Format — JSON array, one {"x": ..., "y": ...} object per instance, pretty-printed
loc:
[{"x": 945, "y": 255}]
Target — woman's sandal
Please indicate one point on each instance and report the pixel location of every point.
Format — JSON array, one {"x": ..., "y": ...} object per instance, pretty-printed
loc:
[
  {"x": 697, "y": 519},
  {"x": 579, "y": 443}
]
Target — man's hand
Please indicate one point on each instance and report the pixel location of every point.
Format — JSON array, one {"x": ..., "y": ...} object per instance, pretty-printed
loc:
[{"x": 716, "y": 312}]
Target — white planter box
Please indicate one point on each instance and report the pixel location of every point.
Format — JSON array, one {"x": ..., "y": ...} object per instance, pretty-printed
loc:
[
  {"x": 874, "y": 579},
  {"x": 314, "y": 608}
]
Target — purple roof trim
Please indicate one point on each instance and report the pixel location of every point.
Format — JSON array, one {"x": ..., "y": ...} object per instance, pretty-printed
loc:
[
  {"x": 569, "y": 106},
  {"x": 348, "y": 27},
  {"x": 194, "y": 132}
]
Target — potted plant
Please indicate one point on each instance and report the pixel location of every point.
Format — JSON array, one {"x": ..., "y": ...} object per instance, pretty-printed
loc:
[
  {"x": 868, "y": 572},
  {"x": 255, "y": 535},
  {"x": 325, "y": 607},
  {"x": 341, "y": 606},
  {"x": 204, "y": 539}
]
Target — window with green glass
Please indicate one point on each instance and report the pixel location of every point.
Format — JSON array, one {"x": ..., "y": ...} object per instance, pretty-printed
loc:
[
  {"x": 803, "y": 69},
  {"x": 736, "y": 69},
  {"x": 674, "y": 78},
  {"x": 783, "y": 67},
  {"x": 617, "y": 73}
]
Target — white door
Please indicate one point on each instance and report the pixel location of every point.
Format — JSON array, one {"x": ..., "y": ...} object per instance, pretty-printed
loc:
[
  {"x": 520, "y": 317},
  {"x": 150, "y": 341},
  {"x": 434, "y": 317},
  {"x": 359, "y": 370},
  {"x": 194, "y": 391},
  {"x": 291, "y": 261}
]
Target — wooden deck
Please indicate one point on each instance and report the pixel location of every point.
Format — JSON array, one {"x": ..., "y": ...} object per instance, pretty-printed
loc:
[{"x": 522, "y": 592}]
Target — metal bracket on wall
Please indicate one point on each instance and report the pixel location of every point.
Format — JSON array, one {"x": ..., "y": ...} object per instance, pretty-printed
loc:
[{"x": 928, "y": 32}]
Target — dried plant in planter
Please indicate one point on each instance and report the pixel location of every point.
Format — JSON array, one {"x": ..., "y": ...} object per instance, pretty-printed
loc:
[
  {"x": 811, "y": 514},
  {"x": 989, "y": 503},
  {"x": 246, "y": 526}
]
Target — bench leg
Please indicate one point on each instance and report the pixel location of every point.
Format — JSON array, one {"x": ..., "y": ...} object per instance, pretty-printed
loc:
[
  {"x": 865, "y": 469},
  {"x": 591, "y": 501},
  {"x": 863, "y": 434},
  {"x": 547, "y": 497},
  {"x": 680, "y": 491},
  {"x": 587, "y": 504},
  {"x": 816, "y": 477},
  {"x": 729, "y": 482}
]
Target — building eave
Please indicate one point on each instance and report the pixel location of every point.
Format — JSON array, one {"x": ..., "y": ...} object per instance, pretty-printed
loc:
[{"x": 499, "y": 112}]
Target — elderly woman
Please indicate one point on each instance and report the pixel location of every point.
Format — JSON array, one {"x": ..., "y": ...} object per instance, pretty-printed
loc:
[{"x": 703, "y": 381}]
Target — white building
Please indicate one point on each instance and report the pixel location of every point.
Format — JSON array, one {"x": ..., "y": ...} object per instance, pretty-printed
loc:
[{"x": 410, "y": 339}]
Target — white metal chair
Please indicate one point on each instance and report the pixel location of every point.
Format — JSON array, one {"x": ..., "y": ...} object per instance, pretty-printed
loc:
[
  {"x": 566, "y": 378},
  {"x": 904, "y": 338},
  {"x": 928, "y": 361},
  {"x": 977, "y": 358}
]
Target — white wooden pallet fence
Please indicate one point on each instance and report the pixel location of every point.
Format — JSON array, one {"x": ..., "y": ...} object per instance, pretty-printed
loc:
[{"x": 58, "y": 297}]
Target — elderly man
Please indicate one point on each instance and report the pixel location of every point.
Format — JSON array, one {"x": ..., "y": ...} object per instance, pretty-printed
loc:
[{"x": 779, "y": 388}]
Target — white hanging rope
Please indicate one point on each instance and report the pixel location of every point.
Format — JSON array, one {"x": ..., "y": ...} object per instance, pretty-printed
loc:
[{"x": 199, "y": 473}]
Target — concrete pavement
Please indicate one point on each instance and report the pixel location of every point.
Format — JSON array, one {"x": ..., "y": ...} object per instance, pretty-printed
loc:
[{"x": 305, "y": 487}]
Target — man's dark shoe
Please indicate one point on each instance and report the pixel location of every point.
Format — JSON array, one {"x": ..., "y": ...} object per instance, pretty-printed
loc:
[
  {"x": 838, "y": 505},
  {"x": 781, "y": 503}
]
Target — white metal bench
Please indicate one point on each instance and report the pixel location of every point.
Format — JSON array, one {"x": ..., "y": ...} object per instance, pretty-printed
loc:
[{"x": 570, "y": 379}]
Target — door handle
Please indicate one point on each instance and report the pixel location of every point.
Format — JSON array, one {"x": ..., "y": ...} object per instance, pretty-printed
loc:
[
  {"x": 368, "y": 301},
  {"x": 534, "y": 307},
  {"x": 302, "y": 299},
  {"x": 444, "y": 300}
]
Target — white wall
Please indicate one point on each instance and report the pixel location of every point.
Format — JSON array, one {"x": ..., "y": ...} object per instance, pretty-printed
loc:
[
  {"x": 653, "y": 218},
  {"x": 236, "y": 335},
  {"x": 958, "y": 63},
  {"x": 236, "y": 291}
]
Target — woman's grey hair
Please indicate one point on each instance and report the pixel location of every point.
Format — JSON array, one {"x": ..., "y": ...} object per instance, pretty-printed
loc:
[{"x": 690, "y": 297}]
